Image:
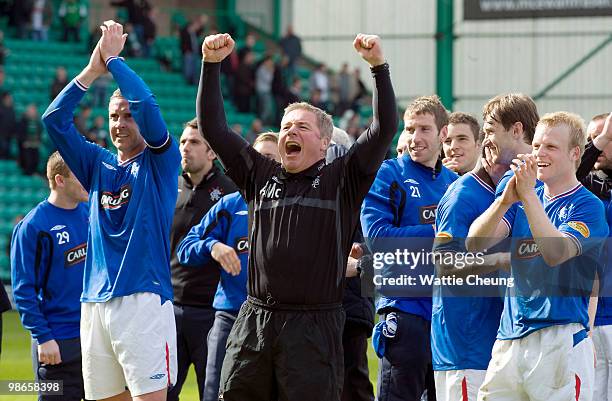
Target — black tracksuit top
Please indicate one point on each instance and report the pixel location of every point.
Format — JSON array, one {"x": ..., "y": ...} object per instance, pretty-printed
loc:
[
  {"x": 195, "y": 285},
  {"x": 300, "y": 225}
]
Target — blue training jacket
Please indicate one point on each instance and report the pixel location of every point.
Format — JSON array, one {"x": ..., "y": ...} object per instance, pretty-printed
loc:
[
  {"x": 401, "y": 204},
  {"x": 226, "y": 222},
  {"x": 48, "y": 251}
]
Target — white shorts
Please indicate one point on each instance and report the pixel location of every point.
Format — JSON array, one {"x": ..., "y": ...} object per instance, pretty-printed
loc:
[
  {"x": 458, "y": 385},
  {"x": 543, "y": 366},
  {"x": 602, "y": 340},
  {"x": 128, "y": 342}
]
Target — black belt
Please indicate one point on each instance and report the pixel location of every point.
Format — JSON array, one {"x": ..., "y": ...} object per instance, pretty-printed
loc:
[{"x": 272, "y": 304}]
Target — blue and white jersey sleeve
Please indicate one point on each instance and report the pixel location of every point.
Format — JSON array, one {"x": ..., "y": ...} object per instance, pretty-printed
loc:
[
  {"x": 196, "y": 248},
  {"x": 583, "y": 224},
  {"x": 453, "y": 221},
  {"x": 79, "y": 154},
  {"x": 26, "y": 280}
]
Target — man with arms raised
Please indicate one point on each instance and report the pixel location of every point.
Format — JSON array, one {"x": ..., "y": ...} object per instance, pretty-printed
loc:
[
  {"x": 292, "y": 321},
  {"x": 128, "y": 335},
  {"x": 222, "y": 236},
  {"x": 595, "y": 171},
  {"x": 542, "y": 351}
]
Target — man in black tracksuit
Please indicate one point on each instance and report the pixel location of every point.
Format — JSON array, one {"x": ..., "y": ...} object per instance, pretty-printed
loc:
[
  {"x": 200, "y": 186},
  {"x": 286, "y": 343},
  {"x": 595, "y": 173}
]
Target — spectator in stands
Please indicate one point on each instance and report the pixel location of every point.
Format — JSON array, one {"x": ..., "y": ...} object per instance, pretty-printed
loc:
[
  {"x": 292, "y": 47},
  {"x": 280, "y": 87},
  {"x": 133, "y": 47},
  {"x": 254, "y": 131},
  {"x": 3, "y": 50},
  {"x": 360, "y": 91},
  {"x": 249, "y": 45},
  {"x": 263, "y": 88},
  {"x": 98, "y": 132},
  {"x": 320, "y": 80},
  {"x": 149, "y": 31},
  {"x": 345, "y": 86},
  {"x": 351, "y": 124},
  {"x": 229, "y": 67},
  {"x": 72, "y": 13},
  {"x": 41, "y": 17},
  {"x": 59, "y": 82},
  {"x": 316, "y": 101},
  {"x": 20, "y": 17},
  {"x": 7, "y": 124},
  {"x": 29, "y": 133},
  {"x": 244, "y": 87},
  {"x": 295, "y": 90},
  {"x": 136, "y": 14},
  {"x": 81, "y": 121},
  {"x": 190, "y": 48},
  {"x": 99, "y": 90}
]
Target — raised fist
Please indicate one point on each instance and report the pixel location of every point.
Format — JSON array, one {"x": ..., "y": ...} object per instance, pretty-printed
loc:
[
  {"x": 217, "y": 47},
  {"x": 369, "y": 48}
]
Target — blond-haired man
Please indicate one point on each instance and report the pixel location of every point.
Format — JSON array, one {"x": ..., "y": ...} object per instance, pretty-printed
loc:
[{"x": 543, "y": 351}]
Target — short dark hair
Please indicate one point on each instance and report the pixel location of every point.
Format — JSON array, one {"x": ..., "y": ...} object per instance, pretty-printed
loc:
[
  {"x": 429, "y": 104},
  {"x": 511, "y": 108},
  {"x": 459, "y": 117}
]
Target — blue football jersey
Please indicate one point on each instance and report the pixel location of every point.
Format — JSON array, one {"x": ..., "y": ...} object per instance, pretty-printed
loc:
[
  {"x": 463, "y": 327},
  {"x": 401, "y": 204},
  {"x": 544, "y": 296},
  {"x": 48, "y": 251},
  {"x": 131, "y": 202}
]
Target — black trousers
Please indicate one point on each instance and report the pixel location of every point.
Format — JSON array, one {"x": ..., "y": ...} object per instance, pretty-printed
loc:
[
  {"x": 357, "y": 385},
  {"x": 405, "y": 371},
  {"x": 192, "y": 326},
  {"x": 284, "y": 355},
  {"x": 69, "y": 370}
]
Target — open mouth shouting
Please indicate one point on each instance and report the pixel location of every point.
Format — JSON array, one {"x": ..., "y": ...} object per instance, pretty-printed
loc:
[{"x": 293, "y": 148}]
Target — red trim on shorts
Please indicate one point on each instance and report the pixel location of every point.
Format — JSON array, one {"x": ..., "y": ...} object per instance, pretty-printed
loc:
[
  {"x": 577, "y": 387},
  {"x": 168, "y": 364},
  {"x": 464, "y": 394}
]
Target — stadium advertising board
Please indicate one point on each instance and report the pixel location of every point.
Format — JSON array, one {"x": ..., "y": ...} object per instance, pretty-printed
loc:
[{"x": 501, "y": 9}]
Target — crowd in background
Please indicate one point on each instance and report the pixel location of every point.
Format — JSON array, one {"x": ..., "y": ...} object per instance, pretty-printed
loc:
[{"x": 261, "y": 78}]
